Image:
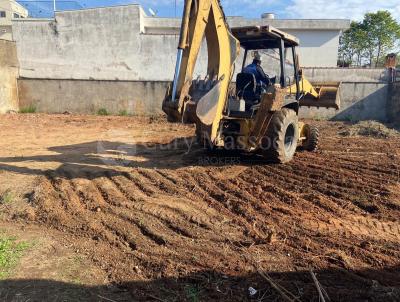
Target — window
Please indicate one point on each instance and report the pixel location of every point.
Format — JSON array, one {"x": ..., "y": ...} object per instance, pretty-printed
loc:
[
  {"x": 2, "y": 14},
  {"x": 15, "y": 15}
]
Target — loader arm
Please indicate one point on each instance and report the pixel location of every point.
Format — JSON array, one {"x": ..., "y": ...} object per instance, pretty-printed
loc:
[{"x": 202, "y": 19}]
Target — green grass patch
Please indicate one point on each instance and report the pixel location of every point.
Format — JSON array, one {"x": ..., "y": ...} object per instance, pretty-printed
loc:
[
  {"x": 123, "y": 113},
  {"x": 192, "y": 293},
  {"x": 7, "y": 197},
  {"x": 28, "y": 109},
  {"x": 103, "y": 112},
  {"x": 10, "y": 252}
]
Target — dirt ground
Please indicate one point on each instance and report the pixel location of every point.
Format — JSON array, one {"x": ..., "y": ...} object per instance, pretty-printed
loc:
[{"x": 132, "y": 210}]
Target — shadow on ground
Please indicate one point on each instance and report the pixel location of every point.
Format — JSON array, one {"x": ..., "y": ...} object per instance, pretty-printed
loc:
[
  {"x": 94, "y": 159},
  {"x": 340, "y": 285}
]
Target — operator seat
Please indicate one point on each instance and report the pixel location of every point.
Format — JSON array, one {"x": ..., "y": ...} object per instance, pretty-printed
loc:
[
  {"x": 247, "y": 89},
  {"x": 246, "y": 86}
]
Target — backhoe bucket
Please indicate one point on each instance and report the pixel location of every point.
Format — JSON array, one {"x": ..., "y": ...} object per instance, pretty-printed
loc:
[{"x": 329, "y": 96}]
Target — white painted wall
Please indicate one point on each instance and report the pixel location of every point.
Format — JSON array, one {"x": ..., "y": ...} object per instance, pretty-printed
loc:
[
  {"x": 100, "y": 44},
  {"x": 318, "y": 48}
]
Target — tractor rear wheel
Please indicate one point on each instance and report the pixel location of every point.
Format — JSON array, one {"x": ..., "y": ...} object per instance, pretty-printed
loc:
[{"x": 280, "y": 142}]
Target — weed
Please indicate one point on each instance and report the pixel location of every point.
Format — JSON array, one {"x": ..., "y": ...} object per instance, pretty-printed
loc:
[
  {"x": 123, "y": 113},
  {"x": 102, "y": 111},
  {"x": 7, "y": 197},
  {"x": 10, "y": 252},
  {"x": 348, "y": 118},
  {"x": 28, "y": 109},
  {"x": 192, "y": 293}
]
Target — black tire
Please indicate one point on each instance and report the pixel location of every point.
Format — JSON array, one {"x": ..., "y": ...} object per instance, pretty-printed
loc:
[
  {"x": 280, "y": 142},
  {"x": 312, "y": 138}
]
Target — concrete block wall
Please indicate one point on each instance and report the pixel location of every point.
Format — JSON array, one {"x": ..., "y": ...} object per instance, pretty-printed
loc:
[
  {"x": 8, "y": 76},
  {"x": 88, "y": 96},
  {"x": 394, "y": 103},
  {"x": 95, "y": 44},
  {"x": 359, "y": 101},
  {"x": 364, "y": 93},
  {"x": 347, "y": 75}
]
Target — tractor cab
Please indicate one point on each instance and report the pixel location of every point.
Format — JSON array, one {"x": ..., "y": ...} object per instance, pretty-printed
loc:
[{"x": 279, "y": 62}]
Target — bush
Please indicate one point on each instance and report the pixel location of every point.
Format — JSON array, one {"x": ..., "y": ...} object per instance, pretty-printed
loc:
[
  {"x": 102, "y": 111},
  {"x": 28, "y": 109},
  {"x": 123, "y": 113}
]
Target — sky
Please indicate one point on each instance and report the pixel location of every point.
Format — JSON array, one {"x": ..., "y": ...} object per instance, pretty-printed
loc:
[
  {"x": 293, "y": 9},
  {"x": 312, "y": 9}
]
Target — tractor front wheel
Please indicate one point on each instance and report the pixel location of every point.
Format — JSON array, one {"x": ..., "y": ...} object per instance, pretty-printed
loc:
[{"x": 311, "y": 134}]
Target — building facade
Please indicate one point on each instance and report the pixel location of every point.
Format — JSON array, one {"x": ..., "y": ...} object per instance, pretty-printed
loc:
[
  {"x": 9, "y": 10},
  {"x": 319, "y": 38}
]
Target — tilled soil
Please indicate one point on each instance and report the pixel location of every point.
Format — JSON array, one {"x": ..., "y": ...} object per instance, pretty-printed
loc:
[{"x": 194, "y": 226}]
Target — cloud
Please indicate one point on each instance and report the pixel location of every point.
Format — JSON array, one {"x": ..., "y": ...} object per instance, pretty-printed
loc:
[
  {"x": 349, "y": 9},
  {"x": 309, "y": 9},
  {"x": 299, "y": 9}
]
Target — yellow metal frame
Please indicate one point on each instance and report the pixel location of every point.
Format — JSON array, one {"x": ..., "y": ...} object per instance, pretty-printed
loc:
[{"x": 205, "y": 18}]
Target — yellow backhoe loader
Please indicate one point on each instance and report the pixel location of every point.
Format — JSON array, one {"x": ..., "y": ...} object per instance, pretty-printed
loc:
[{"x": 243, "y": 114}]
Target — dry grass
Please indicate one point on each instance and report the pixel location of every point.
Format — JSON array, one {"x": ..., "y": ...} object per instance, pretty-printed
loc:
[{"x": 371, "y": 129}]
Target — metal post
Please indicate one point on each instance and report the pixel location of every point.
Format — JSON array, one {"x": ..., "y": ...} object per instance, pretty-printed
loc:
[
  {"x": 244, "y": 59},
  {"x": 296, "y": 65},
  {"x": 54, "y": 7},
  {"x": 283, "y": 63},
  {"x": 177, "y": 73}
]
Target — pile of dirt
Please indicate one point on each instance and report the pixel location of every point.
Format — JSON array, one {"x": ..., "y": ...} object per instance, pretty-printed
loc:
[{"x": 371, "y": 129}]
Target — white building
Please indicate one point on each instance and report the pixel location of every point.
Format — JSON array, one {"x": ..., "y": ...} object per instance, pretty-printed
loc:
[
  {"x": 9, "y": 10},
  {"x": 319, "y": 38}
]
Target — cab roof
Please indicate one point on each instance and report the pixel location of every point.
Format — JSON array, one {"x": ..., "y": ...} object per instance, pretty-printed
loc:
[{"x": 263, "y": 37}]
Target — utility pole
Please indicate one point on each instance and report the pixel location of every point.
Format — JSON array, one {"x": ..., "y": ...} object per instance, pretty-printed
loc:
[{"x": 54, "y": 7}]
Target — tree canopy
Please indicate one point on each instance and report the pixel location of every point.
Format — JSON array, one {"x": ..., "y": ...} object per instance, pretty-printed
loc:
[{"x": 367, "y": 42}]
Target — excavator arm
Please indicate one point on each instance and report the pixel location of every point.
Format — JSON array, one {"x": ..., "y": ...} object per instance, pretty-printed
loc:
[{"x": 202, "y": 19}]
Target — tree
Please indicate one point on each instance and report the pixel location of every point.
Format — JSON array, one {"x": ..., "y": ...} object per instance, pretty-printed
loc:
[
  {"x": 353, "y": 44},
  {"x": 369, "y": 40},
  {"x": 382, "y": 32}
]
